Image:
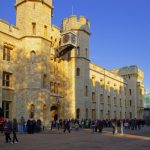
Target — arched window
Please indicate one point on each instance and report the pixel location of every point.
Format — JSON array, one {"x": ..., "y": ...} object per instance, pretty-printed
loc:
[
  {"x": 78, "y": 72},
  {"x": 33, "y": 56},
  {"x": 32, "y": 110}
]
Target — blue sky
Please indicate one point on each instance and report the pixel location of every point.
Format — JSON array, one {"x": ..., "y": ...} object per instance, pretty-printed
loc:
[{"x": 120, "y": 29}]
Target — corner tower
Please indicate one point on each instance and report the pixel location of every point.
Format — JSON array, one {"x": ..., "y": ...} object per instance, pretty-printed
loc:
[
  {"x": 79, "y": 64},
  {"x": 33, "y": 17}
]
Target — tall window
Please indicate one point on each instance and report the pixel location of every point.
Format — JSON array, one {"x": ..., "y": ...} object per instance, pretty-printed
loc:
[
  {"x": 34, "y": 28},
  {"x": 115, "y": 101},
  {"x": 109, "y": 100},
  {"x": 93, "y": 80},
  {"x": 86, "y": 90},
  {"x": 6, "y": 109},
  {"x": 44, "y": 80},
  {"x": 130, "y": 92},
  {"x": 101, "y": 98},
  {"x": 130, "y": 103},
  {"x": 86, "y": 52},
  {"x": 31, "y": 111},
  {"x": 93, "y": 96},
  {"x": 33, "y": 56},
  {"x": 45, "y": 30},
  {"x": 6, "y": 79},
  {"x": 120, "y": 102},
  {"x": 44, "y": 111},
  {"x": 77, "y": 71},
  {"x": 6, "y": 53}
]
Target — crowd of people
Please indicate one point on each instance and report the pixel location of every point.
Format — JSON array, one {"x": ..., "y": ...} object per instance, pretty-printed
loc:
[
  {"x": 34, "y": 126},
  {"x": 98, "y": 125}
]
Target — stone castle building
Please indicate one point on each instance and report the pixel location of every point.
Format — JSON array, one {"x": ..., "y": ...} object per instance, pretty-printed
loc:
[{"x": 46, "y": 72}]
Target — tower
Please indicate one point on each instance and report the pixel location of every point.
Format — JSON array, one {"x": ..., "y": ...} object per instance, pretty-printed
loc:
[
  {"x": 79, "y": 63},
  {"x": 33, "y": 20},
  {"x": 33, "y": 17}
]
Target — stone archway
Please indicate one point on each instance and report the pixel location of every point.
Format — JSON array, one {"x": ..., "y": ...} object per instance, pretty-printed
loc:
[{"x": 54, "y": 112}]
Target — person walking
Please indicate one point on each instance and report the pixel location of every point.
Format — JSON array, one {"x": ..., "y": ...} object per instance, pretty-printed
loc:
[
  {"x": 66, "y": 126},
  {"x": 7, "y": 131},
  {"x": 14, "y": 130}
]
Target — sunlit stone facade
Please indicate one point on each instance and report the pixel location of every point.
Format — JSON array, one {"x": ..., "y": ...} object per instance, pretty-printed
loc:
[{"x": 36, "y": 84}]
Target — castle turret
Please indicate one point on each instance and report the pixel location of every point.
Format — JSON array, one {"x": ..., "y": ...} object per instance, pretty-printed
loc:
[
  {"x": 80, "y": 26},
  {"x": 33, "y": 17},
  {"x": 79, "y": 66}
]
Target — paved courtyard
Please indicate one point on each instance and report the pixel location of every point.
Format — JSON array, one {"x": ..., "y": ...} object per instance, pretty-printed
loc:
[{"x": 81, "y": 140}]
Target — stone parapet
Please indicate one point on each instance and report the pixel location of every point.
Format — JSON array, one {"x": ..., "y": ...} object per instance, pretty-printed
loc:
[
  {"x": 9, "y": 29},
  {"x": 75, "y": 23}
]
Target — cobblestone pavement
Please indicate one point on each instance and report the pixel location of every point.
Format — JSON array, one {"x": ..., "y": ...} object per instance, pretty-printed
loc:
[{"x": 81, "y": 140}]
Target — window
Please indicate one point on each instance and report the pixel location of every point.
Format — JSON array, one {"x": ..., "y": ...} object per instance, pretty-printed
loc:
[
  {"x": 6, "y": 79},
  {"x": 130, "y": 92},
  {"x": 93, "y": 96},
  {"x": 86, "y": 52},
  {"x": 33, "y": 56},
  {"x": 44, "y": 111},
  {"x": 6, "y": 109},
  {"x": 120, "y": 103},
  {"x": 101, "y": 114},
  {"x": 44, "y": 80},
  {"x": 93, "y": 81},
  {"x": 6, "y": 53},
  {"x": 34, "y": 28},
  {"x": 120, "y": 89},
  {"x": 55, "y": 88},
  {"x": 130, "y": 103},
  {"x": 31, "y": 111},
  {"x": 45, "y": 30},
  {"x": 86, "y": 90},
  {"x": 109, "y": 102},
  {"x": 77, "y": 71},
  {"x": 101, "y": 98},
  {"x": 108, "y": 86}
]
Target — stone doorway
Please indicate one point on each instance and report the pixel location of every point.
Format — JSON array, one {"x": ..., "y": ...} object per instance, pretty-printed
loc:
[{"x": 54, "y": 113}]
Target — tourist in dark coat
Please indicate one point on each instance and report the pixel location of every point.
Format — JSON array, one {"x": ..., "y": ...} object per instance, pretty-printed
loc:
[
  {"x": 14, "y": 130},
  {"x": 7, "y": 130}
]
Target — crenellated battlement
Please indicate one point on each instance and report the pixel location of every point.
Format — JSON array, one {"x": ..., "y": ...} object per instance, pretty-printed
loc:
[
  {"x": 75, "y": 23},
  {"x": 129, "y": 70},
  {"x": 9, "y": 29}
]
